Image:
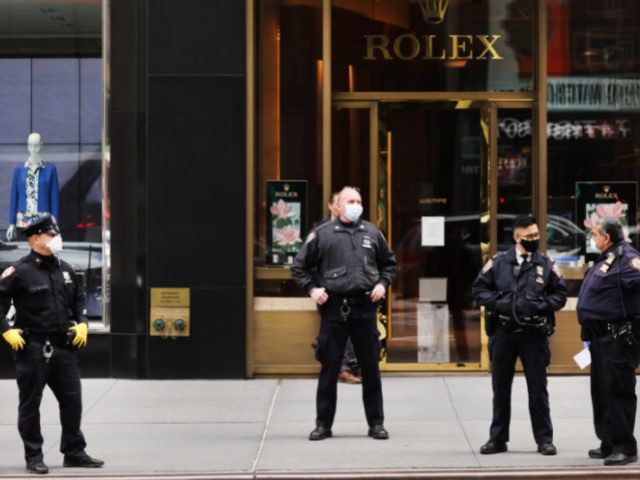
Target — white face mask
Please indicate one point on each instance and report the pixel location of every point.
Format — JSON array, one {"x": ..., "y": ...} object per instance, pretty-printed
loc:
[
  {"x": 353, "y": 211},
  {"x": 55, "y": 244},
  {"x": 592, "y": 244}
]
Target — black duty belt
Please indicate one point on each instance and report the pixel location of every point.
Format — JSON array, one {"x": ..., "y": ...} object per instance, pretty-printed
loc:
[
  {"x": 523, "y": 324},
  {"x": 599, "y": 328},
  {"x": 353, "y": 301},
  {"x": 344, "y": 304},
  {"x": 59, "y": 339}
]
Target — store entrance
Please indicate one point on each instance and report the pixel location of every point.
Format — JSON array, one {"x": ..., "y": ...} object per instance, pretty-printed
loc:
[{"x": 425, "y": 171}]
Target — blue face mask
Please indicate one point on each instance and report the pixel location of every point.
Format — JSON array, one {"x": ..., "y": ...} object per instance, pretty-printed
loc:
[{"x": 353, "y": 211}]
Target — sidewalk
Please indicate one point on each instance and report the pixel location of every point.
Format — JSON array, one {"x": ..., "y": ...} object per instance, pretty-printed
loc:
[{"x": 258, "y": 429}]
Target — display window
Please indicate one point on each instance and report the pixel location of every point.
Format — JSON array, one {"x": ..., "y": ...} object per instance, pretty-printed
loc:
[
  {"x": 593, "y": 129},
  {"x": 51, "y": 134},
  {"x": 453, "y": 117}
]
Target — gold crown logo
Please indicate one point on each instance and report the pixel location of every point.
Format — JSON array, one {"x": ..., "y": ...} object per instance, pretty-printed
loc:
[
  {"x": 606, "y": 188},
  {"x": 433, "y": 11},
  {"x": 286, "y": 187}
]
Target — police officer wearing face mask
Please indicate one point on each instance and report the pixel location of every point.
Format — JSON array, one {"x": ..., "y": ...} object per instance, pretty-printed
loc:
[
  {"x": 520, "y": 290},
  {"x": 345, "y": 266},
  {"x": 47, "y": 296},
  {"x": 609, "y": 312}
]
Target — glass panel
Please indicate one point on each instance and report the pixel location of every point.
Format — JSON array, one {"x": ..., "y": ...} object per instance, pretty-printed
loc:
[
  {"x": 435, "y": 230},
  {"x": 51, "y": 82},
  {"x": 427, "y": 45},
  {"x": 514, "y": 171},
  {"x": 350, "y": 151},
  {"x": 593, "y": 126},
  {"x": 288, "y": 119},
  {"x": 91, "y": 100},
  {"x": 55, "y": 94},
  {"x": 14, "y": 98}
]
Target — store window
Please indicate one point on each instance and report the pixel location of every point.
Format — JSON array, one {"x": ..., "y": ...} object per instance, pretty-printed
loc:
[
  {"x": 289, "y": 142},
  {"x": 593, "y": 125},
  {"x": 51, "y": 84}
]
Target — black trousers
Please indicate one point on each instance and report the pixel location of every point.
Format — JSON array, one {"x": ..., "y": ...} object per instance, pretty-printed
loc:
[
  {"x": 613, "y": 393},
  {"x": 360, "y": 325},
  {"x": 62, "y": 374},
  {"x": 533, "y": 349}
]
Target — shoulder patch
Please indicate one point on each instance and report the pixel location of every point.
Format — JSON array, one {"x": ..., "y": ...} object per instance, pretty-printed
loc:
[
  {"x": 633, "y": 263},
  {"x": 487, "y": 266},
  {"x": 310, "y": 237},
  {"x": 8, "y": 272}
]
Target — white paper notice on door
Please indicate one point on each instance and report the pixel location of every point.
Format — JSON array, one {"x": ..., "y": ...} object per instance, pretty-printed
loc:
[
  {"x": 432, "y": 289},
  {"x": 433, "y": 231}
]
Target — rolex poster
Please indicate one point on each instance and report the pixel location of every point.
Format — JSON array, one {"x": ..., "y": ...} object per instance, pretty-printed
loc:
[
  {"x": 286, "y": 220},
  {"x": 606, "y": 199}
]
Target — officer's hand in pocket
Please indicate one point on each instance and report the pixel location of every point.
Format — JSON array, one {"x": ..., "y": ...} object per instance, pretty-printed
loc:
[
  {"x": 13, "y": 336},
  {"x": 80, "y": 340}
]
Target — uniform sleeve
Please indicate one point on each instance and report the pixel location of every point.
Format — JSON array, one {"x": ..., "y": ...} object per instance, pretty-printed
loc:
[
  {"x": 630, "y": 274},
  {"x": 8, "y": 284},
  {"x": 557, "y": 292},
  {"x": 304, "y": 263},
  {"x": 484, "y": 286},
  {"x": 387, "y": 264}
]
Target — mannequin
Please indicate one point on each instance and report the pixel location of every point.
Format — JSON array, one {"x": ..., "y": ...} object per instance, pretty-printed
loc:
[{"x": 34, "y": 190}]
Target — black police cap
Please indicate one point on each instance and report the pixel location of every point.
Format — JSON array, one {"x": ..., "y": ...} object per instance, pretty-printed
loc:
[{"x": 44, "y": 224}]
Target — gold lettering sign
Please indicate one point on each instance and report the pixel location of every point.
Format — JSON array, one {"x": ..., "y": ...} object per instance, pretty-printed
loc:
[
  {"x": 429, "y": 47},
  {"x": 606, "y": 193},
  {"x": 285, "y": 194},
  {"x": 432, "y": 200}
]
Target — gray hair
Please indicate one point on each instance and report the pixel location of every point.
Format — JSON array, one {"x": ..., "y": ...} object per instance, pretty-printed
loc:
[{"x": 612, "y": 227}]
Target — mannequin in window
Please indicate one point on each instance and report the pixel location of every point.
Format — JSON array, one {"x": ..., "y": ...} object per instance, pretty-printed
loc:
[{"x": 34, "y": 190}]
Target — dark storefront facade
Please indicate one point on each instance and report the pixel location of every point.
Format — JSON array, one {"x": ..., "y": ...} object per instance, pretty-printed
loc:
[{"x": 197, "y": 141}]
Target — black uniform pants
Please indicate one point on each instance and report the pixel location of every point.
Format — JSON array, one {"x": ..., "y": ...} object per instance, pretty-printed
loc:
[
  {"x": 533, "y": 349},
  {"x": 62, "y": 374},
  {"x": 613, "y": 393},
  {"x": 361, "y": 326}
]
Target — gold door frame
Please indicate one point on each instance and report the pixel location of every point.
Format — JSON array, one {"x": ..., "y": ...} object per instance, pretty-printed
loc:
[{"x": 488, "y": 108}]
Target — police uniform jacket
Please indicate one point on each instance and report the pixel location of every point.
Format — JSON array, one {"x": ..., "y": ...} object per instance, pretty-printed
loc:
[
  {"x": 600, "y": 297},
  {"x": 538, "y": 288},
  {"x": 345, "y": 263},
  {"x": 46, "y": 294}
]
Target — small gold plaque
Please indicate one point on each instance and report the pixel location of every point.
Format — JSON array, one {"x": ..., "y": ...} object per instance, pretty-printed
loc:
[{"x": 170, "y": 297}]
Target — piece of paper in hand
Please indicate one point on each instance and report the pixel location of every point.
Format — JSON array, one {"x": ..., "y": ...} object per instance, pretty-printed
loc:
[{"x": 583, "y": 358}]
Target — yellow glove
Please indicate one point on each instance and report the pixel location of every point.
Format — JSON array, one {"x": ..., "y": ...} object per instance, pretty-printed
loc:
[
  {"x": 14, "y": 338},
  {"x": 80, "y": 340}
]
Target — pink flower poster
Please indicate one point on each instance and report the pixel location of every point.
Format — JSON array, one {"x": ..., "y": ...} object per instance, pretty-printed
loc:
[
  {"x": 286, "y": 220},
  {"x": 595, "y": 200}
]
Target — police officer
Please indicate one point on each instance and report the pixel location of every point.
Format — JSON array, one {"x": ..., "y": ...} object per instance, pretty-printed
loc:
[
  {"x": 47, "y": 295},
  {"x": 345, "y": 266},
  {"x": 520, "y": 290},
  {"x": 609, "y": 312}
]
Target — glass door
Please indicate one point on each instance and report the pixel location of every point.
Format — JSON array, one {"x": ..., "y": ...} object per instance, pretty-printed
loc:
[
  {"x": 437, "y": 154},
  {"x": 429, "y": 184}
]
